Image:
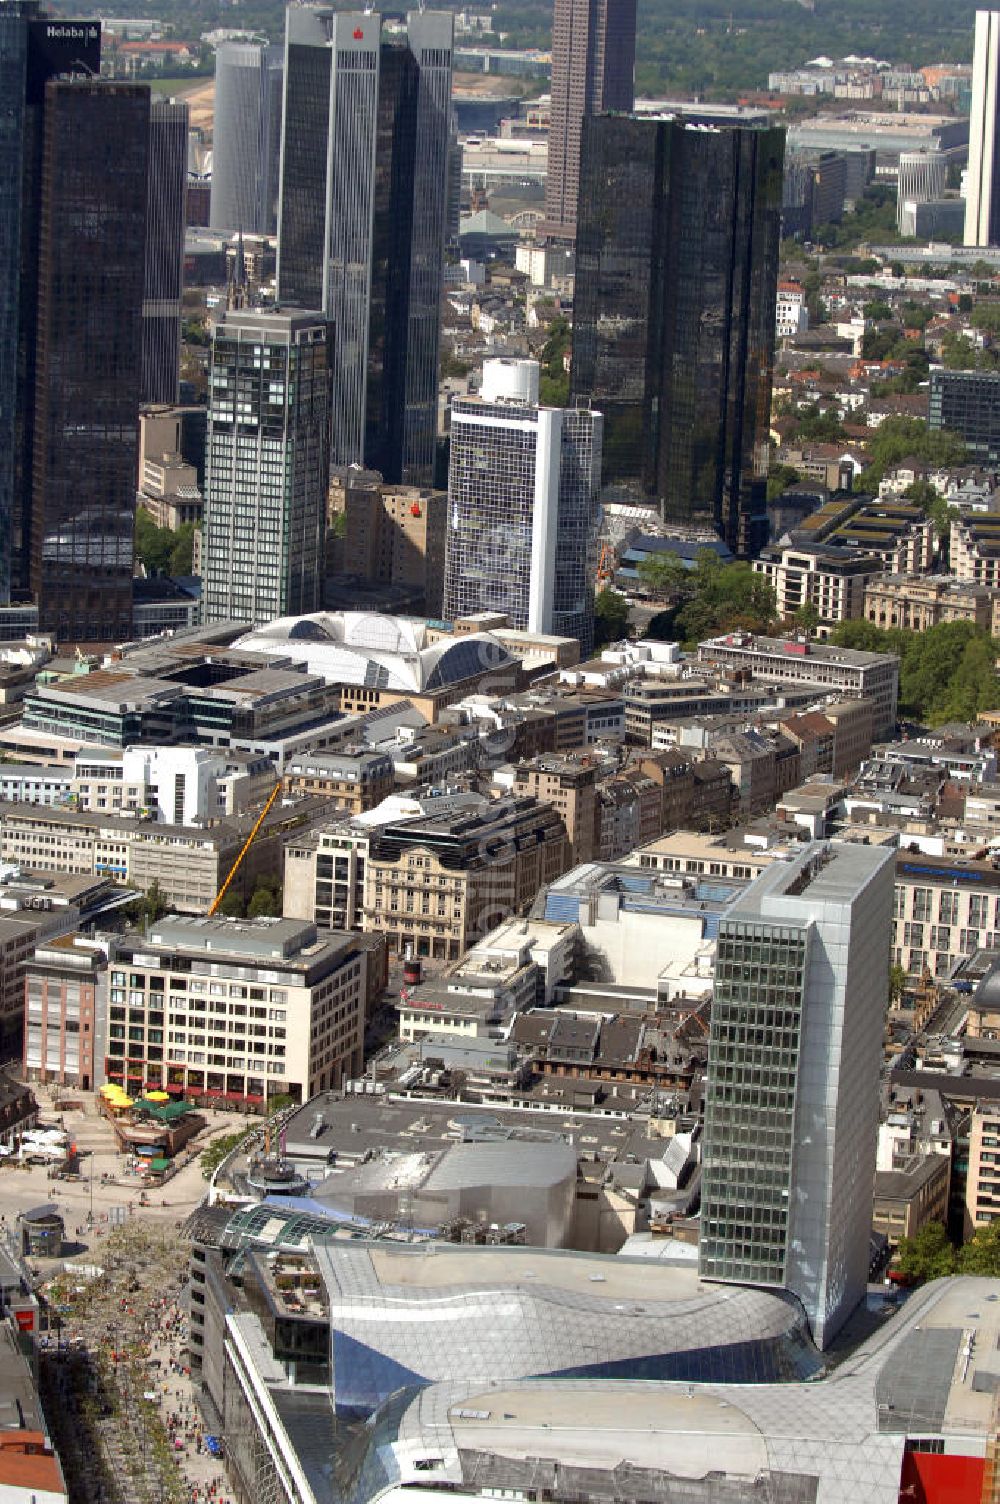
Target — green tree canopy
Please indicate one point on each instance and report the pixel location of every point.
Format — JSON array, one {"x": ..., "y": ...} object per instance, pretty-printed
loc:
[
  {"x": 716, "y": 598},
  {"x": 779, "y": 479},
  {"x": 901, "y": 438},
  {"x": 662, "y": 574},
  {"x": 981, "y": 1255},
  {"x": 927, "y": 1255},
  {"x": 611, "y": 616},
  {"x": 947, "y": 673}
]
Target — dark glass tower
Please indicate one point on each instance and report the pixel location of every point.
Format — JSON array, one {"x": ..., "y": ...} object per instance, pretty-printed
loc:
[
  {"x": 32, "y": 50},
  {"x": 673, "y": 335},
  {"x": 362, "y": 211},
  {"x": 593, "y": 73},
  {"x": 88, "y": 341},
  {"x": 166, "y": 194}
]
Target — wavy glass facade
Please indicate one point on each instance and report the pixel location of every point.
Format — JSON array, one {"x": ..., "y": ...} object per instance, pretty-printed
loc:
[
  {"x": 523, "y": 485},
  {"x": 88, "y": 356},
  {"x": 673, "y": 334},
  {"x": 267, "y": 466},
  {"x": 362, "y": 214},
  {"x": 791, "y": 1109},
  {"x": 246, "y": 146},
  {"x": 429, "y": 1313}
]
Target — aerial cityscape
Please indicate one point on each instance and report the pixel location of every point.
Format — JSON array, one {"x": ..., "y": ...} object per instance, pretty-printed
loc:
[{"x": 500, "y": 753}]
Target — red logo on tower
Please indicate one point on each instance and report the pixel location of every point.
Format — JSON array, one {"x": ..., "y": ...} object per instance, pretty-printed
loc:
[{"x": 358, "y": 34}]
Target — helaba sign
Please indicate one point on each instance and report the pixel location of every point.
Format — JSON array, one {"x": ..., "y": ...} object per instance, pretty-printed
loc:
[{"x": 70, "y": 33}]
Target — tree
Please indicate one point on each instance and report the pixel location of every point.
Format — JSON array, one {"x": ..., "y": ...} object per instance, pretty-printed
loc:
[
  {"x": 901, "y": 438},
  {"x": 779, "y": 480},
  {"x": 182, "y": 553},
  {"x": 806, "y": 618},
  {"x": 611, "y": 616},
  {"x": 232, "y": 905},
  {"x": 153, "y": 545},
  {"x": 927, "y": 1255},
  {"x": 897, "y": 984},
  {"x": 662, "y": 574},
  {"x": 553, "y": 384},
  {"x": 153, "y": 904},
  {"x": 986, "y": 317},
  {"x": 947, "y": 673},
  {"x": 981, "y": 1255},
  {"x": 265, "y": 900},
  {"x": 218, "y": 1150}
]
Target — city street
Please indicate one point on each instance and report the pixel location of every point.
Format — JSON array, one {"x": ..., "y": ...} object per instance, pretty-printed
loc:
[{"x": 113, "y": 1365}]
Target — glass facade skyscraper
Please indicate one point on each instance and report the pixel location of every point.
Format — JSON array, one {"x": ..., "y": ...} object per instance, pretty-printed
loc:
[
  {"x": 362, "y": 210},
  {"x": 268, "y": 466},
  {"x": 523, "y": 484},
  {"x": 88, "y": 338},
  {"x": 33, "y": 49},
  {"x": 246, "y": 144},
  {"x": 165, "y": 222},
  {"x": 791, "y": 1109},
  {"x": 673, "y": 333},
  {"x": 593, "y": 73}
]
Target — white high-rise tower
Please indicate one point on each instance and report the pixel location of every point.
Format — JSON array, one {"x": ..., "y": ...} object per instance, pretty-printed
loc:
[
  {"x": 982, "y": 193},
  {"x": 523, "y": 484}
]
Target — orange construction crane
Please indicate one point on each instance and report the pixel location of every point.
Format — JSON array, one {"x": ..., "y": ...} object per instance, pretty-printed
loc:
[
  {"x": 245, "y": 848},
  {"x": 606, "y": 565}
]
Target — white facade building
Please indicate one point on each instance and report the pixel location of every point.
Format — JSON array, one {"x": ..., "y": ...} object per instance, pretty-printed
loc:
[
  {"x": 523, "y": 488},
  {"x": 982, "y": 199}
]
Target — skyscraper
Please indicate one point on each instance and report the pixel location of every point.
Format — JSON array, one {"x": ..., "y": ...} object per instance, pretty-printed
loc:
[
  {"x": 982, "y": 187},
  {"x": 362, "y": 210},
  {"x": 593, "y": 73},
  {"x": 795, "y": 1049},
  {"x": 33, "y": 49},
  {"x": 673, "y": 329},
  {"x": 88, "y": 338},
  {"x": 165, "y": 221},
  {"x": 523, "y": 484},
  {"x": 246, "y": 144},
  {"x": 268, "y": 466}
]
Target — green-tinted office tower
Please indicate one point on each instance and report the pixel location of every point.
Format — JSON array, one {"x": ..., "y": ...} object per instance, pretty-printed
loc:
[{"x": 676, "y": 279}]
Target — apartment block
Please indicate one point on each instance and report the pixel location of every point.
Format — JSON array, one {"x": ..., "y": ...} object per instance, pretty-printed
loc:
[
  {"x": 917, "y": 602},
  {"x": 897, "y": 533},
  {"x": 569, "y": 785},
  {"x": 975, "y": 549},
  {"x": 65, "y": 1012},
  {"x": 906, "y": 1199},
  {"x": 354, "y": 779},
  {"x": 832, "y": 580},
  {"x": 325, "y": 876},
  {"x": 436, "y": 884},
  {"x": 239, "y": 1011},
  {"x": 19, "y": 934},
  {"x": 943, "y": 910},
  {"x": 982, "y": 1193}
]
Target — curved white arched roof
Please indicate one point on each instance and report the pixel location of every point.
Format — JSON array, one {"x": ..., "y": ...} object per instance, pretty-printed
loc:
[{"x": 385, "y": 652}]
